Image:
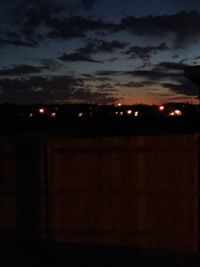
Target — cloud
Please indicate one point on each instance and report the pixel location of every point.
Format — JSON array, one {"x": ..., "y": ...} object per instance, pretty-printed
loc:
[
  {"x": 98, "y": 46},
  {"x": 183, "y": 25},
  {"x": 105, "y": 87},
  {"x": 94, "y": 77},
  {"x": 185, "y": 4},
  {"x": 133, "y": 84},
  {"x": 48, "y": 63},
  {"x": 88, "y": 4},
  {"x": 197, "y": 58},
  {"x": 95, "y": 97},
  {"x": 22, "y": 25},
  {"x": 48, "y": 19},
  {"x": 93, "y": 47},
  {"x": 52, "y": 89},
  {"x": 33, "y": 19},
  {"x": 145, "y": 53},
  {"x": 17, "y": 42},
  {"x": 154, "y": 75},
  {"x": 108, "y": 72},
  {"x": 69, "y": 27},
  {"x": 164, "y": 70},
  {"x": 21, "y": 70},
  {"x": 184, "y": 87},
  {"x": 50, "y": 83},
  {"x": 171, "y": 66},
  {"x": 73, "y": 57}
]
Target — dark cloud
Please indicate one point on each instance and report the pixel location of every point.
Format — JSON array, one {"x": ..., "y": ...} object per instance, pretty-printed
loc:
[
  {"x": 78, "y": 26},
  {"x": 169, "y": 75},
  {"x": 161, "y": 71},
  {"x": 57, "y": 82},
  {"x": 109, "y": 72},
  {"x": 171, "y": 66},
  {"x": 183, "y": 25},
  {"x": 188, "y": 4},
  {"x": 52, "y": 89},
  {"x": 48, "y": 63},
  {"x": 154, "y": 75},
  {"x": 21, "y": 70},
  {"x": 98, "y": 46},
  {"x": 88, "y": 4},
  {"x": 184, "y": 87},
  {"x": 32, "y": 14},
  {"x": 34, "y": 11},
  {"x": 145, "y": 53},
  {"x": 29, "y": 28},
  {"x": 88, "y": 75},
  {"x": 77, "y": 57},
  {"x": 32, "y": 20},
  {"x": 48, "y": 19},
  {"x": 105, "y": 87},
  {"x": 197, "y": 58},
  {"x": 95, "y": 97},
  {"x": 40, "y": 22},
  {"x": 136, "y": 84},
  {"x": 94, "y": 77},
  {"x": 16, "y": 42},
  {"x": 93, "y": 47}
]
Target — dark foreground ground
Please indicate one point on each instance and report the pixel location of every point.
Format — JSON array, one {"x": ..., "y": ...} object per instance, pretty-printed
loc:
[
  {"x": 29, "y": 255},
  {"x": 101, "y": 127}
]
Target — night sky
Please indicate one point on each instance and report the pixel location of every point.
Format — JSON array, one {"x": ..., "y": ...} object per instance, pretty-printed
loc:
[{"x": 98, "y": 51}]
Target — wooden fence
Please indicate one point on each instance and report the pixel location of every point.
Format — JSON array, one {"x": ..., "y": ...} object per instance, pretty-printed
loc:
[{"x": 140, "y": 191}]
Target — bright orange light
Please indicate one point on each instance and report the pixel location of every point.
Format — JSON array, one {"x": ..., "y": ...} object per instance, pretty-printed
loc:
[
  {"x": 80, "y": 114},
  {"x": 136, "y": 113},
  {"x": 175, "y": 112},
  {"x": 161, "y": 108},
  {"x": 53, "y": 114},
  {"x": 41, "y": 110},
  {"x": 119, "y": 104}
]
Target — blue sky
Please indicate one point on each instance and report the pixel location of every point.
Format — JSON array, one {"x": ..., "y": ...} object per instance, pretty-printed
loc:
[{"x": 98, "y": 51}]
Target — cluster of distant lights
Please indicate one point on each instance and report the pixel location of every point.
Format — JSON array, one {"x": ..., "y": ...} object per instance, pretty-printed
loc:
[
  {"x": 129, "y": 112},
  {"x": 175, "y": 112},
  {"x": 42, "y": 111}
]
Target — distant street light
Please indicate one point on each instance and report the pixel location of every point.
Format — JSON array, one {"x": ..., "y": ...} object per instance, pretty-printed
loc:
[
  {"x": 161, "y": 108},
  {"x": 41, "y": 110}
]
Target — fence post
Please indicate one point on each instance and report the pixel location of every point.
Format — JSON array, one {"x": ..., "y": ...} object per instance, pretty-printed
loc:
[
  {"x": 46, "y": 191},
  {"x": 28, "y": 189}
]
